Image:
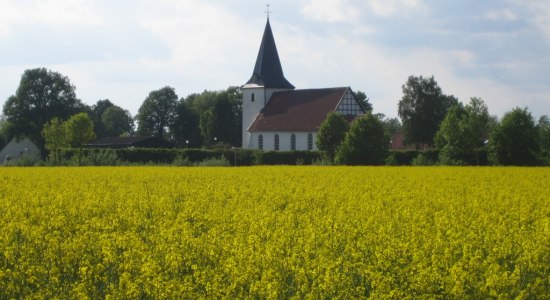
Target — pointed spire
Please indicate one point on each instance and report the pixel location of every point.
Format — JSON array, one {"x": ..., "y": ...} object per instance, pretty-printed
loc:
[{"x": 268, "y": 71}]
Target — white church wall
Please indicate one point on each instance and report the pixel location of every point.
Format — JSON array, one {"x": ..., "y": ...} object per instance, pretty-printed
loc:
[
  {"x": 254, "y": 100},
  {"x": 284, "y": 140}
]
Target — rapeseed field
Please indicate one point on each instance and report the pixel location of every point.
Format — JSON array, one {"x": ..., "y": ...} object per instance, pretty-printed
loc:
[{"x": 274, "y": 233}]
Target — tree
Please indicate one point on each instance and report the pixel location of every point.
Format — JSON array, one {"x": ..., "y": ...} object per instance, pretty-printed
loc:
[
  {"x": 462, "y": 133},
  {"x": 222, "y": 119},
  {"x": 55, "y": 137},
  {"x": 515, "y": 141},
  {"x": 543, "y": 128},
  {"x": 365, "y": 143},
  {"x": 80, "y": 130},
  {"x": 157, "y": 113},
  {"x": 4, "y": 132},
  {"x": 41, "y": 96},
  {"x": 391, "y": 125},
  {"x": 185, "y": 129},
  {"x": 331, "y": 135},
  {"x": 363, "y": 101},
  {"x": 422, "y": 108},
  {"x": 117, "y": 121},
  {"x": 96, "y": 114}
]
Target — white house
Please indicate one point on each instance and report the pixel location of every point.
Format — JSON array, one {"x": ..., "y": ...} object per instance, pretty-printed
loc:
[
  {"x": 15, "y": 149},
  {"x": 278, "y": 117}
]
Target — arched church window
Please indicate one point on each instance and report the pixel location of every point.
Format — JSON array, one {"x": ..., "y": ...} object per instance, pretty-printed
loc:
[
  {"x": 276, "y": 142},
  {"x": 293, "y": 142},
  {"x": 310, "y": 141},
  {"x": 252, "y": 97},
  {"x": 261, "y": 142}
]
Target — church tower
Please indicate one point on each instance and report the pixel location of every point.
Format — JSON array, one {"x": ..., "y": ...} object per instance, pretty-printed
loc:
[{"x": 266, "y": 79}]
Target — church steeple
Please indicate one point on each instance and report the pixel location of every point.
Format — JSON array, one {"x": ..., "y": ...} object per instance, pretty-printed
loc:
[{"x": 268, "y": 71}]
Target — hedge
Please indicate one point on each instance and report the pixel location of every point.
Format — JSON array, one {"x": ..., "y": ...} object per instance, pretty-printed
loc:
[
  {"x": 249, "y": 157},
  {"x": 287, "y": 157}
]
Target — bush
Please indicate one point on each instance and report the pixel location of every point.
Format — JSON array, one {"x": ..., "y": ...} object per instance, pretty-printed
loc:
[
  {"x": 181, "y": 161},
  {"x": 544, "y": 158},
  {"x": 215, "y": 162},
  {"x": 23, "y": 161},
  {"x": 365, "y": 143},
  {"x": 187, "y": 157},
  {"x": 391, "y": 160},
  {"x": 147, "y": 155},
  {"x": 423, "y": 160},
  {"x": 406, "y": 157},
  {"x": 514, "y": 142},
  {"x": 287, "y": 157},
  {"x": 101, "y": 157}
]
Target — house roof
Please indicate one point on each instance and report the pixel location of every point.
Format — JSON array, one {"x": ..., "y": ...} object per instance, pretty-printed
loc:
[
  {"x": 268, "y": 71},
  {"x": 298, "y": 110}
]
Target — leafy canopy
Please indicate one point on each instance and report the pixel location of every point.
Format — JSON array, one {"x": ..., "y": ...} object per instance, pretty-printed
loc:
[
  {"x": 365, "y": 143},
  {"x": 515, "y": 140},
  {"x": 463, "y": 133},
  {"x": 157, "y": 113},
  {"x": 422, "y": 108},
  {"x": 41, "y": 96},
  {"x": 331, "y": 135}
]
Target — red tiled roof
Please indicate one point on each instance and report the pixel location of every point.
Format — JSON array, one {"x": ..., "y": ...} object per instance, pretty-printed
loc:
[{"x": 298, "y": 110}]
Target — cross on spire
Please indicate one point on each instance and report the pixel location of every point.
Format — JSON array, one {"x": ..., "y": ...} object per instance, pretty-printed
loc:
[{"x": 268, "y": 12}]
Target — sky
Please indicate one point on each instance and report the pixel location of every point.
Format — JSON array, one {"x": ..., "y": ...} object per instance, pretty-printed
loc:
[{"x": 122, "y": 50}]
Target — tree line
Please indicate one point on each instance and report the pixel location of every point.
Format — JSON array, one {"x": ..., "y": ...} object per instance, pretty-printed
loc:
[
  {"x": 462, "y": 134},
  {"x": 428, "y": 118},
  {"x": 194, "y": 121}
]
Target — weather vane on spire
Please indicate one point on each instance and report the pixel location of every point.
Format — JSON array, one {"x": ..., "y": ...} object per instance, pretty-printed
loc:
[{"x": 268, "y": 12}]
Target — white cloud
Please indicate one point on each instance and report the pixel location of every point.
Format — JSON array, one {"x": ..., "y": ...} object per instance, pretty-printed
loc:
[
  {"x": 330, "y": 11},
  {"x": 501, "y": 15},
  {"x": 380, "y": 72},
  {"x": 46, "y": 12},
  {"x": 541, "y": 16},
  {"x": 392, "y": 7},
  {"x": 201, "y": 34},
  {"x": 207, "y": 45}
]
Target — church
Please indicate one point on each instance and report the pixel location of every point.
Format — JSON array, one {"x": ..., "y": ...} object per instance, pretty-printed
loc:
[{"x": 276, "y": 116}]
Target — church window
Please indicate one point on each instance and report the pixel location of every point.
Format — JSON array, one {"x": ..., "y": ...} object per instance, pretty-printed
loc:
[
  {"x": 276, "y": 142},
  {"x": 252, "y": 97},
  {"x": 261, "y": 142},
  {"x": 293, "y": 142},
  {"x": 310, "y": 141}
]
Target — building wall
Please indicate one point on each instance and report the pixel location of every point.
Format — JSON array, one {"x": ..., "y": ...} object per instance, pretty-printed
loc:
[
  {"x": 284, "y": 140},
  {"x": 15, "y": 149},
  {"x": 251, "y": 109}
]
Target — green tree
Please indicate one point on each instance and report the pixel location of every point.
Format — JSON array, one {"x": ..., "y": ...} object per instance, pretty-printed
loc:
[
  {"x": 422, "y": 108},
  {"x": 185, "y": 129},
  {"x": 157, "y": 113},
  {"x": 41, "y": 96},
  {"x": 331, "y": 135},
  {"x": 4, "y": 132},
  {"x": 365, "y": 143},
  {"x": 80, "y": 130},
  {"x": 96, "y": 114},
  {"x": 363, "y": 101},
  {"x": 462, "y": 133},
  {"x": 117, "y": 121},
  {"x": 543, "y": 128},
  {"x": 515, "y": 140},
  {"x": 391, "y": 125},
  {"x": 222, "y": 119},
  {"x": 55, "y": 137}
]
